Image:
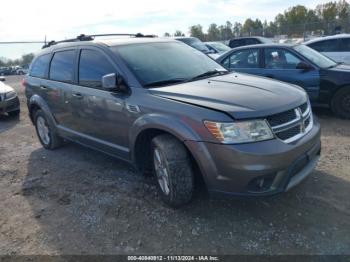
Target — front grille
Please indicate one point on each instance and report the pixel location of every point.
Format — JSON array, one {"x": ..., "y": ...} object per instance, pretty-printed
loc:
[
  {"x": 284, "y": 135},
  {"x": 279, "y": 119},
  {"x": 293, "y": 124}
]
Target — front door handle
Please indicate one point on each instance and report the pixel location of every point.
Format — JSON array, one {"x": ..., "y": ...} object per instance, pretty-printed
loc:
[
  {"x": 43, "y": 87},
  {"x": 269, "y": 76},
  {"x": 78, "y": 95}
]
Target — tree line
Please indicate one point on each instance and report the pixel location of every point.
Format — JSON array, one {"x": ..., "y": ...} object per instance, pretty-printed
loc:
[
  {"x": 24, "y": 60},
  {"x": 296, "y": 21}
]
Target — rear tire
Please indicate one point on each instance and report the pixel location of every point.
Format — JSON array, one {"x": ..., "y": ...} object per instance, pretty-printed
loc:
[
  {"x": 46, "y": 132},
  {"x": 173, "y": 170},
  {"x": 340, "y": 103}
]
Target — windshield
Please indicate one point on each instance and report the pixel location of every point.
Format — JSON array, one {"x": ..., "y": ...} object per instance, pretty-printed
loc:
[
  {"x": 220, "y": 47},
  {"x": 315, "y": 57},
  {"x": 195, "y": 43},
  {"x": 165, "y": 61}
]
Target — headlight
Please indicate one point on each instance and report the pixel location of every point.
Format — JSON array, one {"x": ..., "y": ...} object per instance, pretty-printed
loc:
[
  {"x": 10, "y": 95},
  {"x": 240, "y": 131}
]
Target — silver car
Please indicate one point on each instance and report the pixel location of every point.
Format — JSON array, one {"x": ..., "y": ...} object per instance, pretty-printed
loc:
[
  {"x": 9, "y": 102},
  {"x": 336, "y": 47}
]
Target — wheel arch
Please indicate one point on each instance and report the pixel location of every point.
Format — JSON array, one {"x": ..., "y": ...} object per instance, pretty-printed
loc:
[
  {"x": 149, "y": 126},
  {"x": 35, "y": 103},
  {"x": 340, "y": 88},
  {"x": 333, "y": 103}
]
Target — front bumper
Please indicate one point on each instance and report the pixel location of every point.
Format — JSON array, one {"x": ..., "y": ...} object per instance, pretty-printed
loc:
[
  {"x": 253, "y": 169},
  {"x": 9, "y": 105}
]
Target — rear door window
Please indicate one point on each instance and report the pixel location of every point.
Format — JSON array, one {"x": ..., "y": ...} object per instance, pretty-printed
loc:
[
  {"x": 40, "y": 66},
  {"x": 62, "y": 66},
  {"x": 248, "y": 58},
  {"x": 93, "y": 65}
]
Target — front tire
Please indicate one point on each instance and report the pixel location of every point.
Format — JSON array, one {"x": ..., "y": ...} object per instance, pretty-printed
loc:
[
  {"x": 340, "y": 103},
  {"x": 46, "y": 133},
  {"x": 173, "y": 170}
]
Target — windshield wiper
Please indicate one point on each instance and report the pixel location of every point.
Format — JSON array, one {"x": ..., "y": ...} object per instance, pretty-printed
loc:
[
  {"x": 165, "y": 82},
  {"x": 182, "y": 80},
  {"x": 209, "y": 73}
]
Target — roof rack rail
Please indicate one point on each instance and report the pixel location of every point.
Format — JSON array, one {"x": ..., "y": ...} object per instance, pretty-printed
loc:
[{"x": 84, "y": 37}]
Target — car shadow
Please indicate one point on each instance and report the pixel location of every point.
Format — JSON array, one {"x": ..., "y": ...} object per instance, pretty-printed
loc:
[
  {"x": 89, "y": 203},
  {"x": 7, "y": 122}
]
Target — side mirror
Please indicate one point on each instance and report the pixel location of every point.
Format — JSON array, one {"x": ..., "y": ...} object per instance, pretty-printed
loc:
[
  {"x": 304, "y": 66},
  {"x": 2, "y": 79},
  {"x": 109, "y": 82},
  {"x": 113, "y": 82}
]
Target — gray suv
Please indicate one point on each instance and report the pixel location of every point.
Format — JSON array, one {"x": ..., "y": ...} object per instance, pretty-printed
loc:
[{"x": 174, "y": 112}]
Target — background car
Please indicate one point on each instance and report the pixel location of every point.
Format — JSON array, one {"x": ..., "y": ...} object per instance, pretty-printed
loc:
[
  {"x": 336, "y": 47},
  {"x": 9, "y": 102},
  {"x": 217, "y": 47},
  {"x": 195, "y": 43},
  {"x": 243, "y": 41},
  {"x": 326, "y": 82},
  {"x": 4, "y": 71},
  {"x": 22, "y": 70}
]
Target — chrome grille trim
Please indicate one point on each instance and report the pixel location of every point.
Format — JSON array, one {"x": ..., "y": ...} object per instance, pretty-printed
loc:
[
  {"x": 308, "y": 110},
  {"x": 300, "y": 135},
  {"x": 287, "y": 125},
  {"x": 300, "y": 120}
]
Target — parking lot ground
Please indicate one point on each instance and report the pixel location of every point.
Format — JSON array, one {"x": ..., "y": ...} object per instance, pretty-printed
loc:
[{"x": 77, "y": 201}]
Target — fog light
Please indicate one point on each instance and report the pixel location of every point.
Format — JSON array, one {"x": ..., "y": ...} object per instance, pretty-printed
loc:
[{"x": 261, "y": 184}]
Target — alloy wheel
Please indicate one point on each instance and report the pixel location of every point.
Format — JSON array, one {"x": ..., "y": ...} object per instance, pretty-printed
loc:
[
  {"x": 43, "y": 130},
  {"x": 161, "y": 171}
]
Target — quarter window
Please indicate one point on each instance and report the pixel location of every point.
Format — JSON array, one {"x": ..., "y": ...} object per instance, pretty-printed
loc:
[
  {"x": 280, "y": 59},
  {"x": 92, "y": 67},
  {"x": 39, "y": 68},
  {"x": 62, "y": 66}
]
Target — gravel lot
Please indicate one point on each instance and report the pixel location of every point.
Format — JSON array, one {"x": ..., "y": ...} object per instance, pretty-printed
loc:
[{"x": 76, "y": 201}]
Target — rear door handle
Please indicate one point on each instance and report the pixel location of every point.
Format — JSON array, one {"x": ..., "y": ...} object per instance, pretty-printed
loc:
[
  {"x": 78, "y": 95},
  {"x": 43, "y": 87},
  {"x": 270, "y": 76}
]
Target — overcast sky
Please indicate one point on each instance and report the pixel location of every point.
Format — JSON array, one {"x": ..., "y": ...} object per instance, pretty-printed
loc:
[{"x": 33, "y": 19}]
